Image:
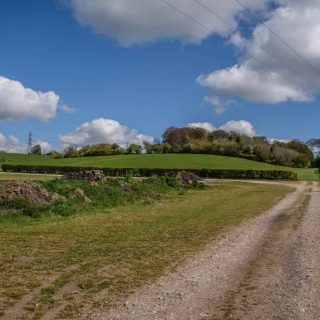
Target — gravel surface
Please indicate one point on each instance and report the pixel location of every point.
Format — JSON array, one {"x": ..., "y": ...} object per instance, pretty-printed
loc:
[{"x": 268, "y": 268}]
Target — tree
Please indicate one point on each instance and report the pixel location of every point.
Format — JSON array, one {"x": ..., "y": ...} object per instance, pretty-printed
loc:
[
  {"x": 147, "y": 146},
  {"x": 116, "y": 149},
  {"x": 70, "y": 152},
  {"x": 157, "y": 148},
  {"x": 134, "y": 149},
  {"x": 167, "y": 148},
  {"x": 36, "y": 149},
  {"x": 55, "y": 154}
]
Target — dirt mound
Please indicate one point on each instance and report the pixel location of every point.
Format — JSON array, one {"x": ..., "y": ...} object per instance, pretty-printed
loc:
[{"x": 31, "y": 192}]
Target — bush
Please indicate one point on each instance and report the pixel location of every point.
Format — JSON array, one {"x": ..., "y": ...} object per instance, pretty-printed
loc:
[{"x": 148, "y": 172}]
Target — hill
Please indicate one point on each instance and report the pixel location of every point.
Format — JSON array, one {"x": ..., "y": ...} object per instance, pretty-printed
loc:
[{"x": 179, "y": 161}]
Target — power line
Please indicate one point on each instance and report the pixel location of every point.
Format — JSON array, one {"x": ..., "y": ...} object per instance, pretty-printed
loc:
[
  {"x": 185, "y": 14},
  {"x": 254, "y": 43},
  {"x": 278, "y": 37},
  {"x": 211, "y": 30},
  {"x": 216, "y": 14}
]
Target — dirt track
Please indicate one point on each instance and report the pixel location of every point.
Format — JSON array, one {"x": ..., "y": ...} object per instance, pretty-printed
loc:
[{"x": 269, "y": 268}]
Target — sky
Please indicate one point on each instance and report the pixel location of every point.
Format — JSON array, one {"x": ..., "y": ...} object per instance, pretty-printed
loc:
[{"x": 78, "y": 72}]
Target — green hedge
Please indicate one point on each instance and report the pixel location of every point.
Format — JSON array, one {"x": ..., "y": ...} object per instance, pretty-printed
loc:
[{"x": 147, "y": 172}]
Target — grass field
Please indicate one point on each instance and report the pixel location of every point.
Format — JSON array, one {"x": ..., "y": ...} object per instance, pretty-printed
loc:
[
  {"x": 97, "y": 258},
  {"x": 183, "y": 161}
]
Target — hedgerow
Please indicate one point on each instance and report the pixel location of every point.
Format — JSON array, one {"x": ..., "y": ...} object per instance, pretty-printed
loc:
[{"x": 148, "y": 172}]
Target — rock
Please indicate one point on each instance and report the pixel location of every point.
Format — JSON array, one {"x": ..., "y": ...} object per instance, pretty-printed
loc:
[
  {"x": 186, "y": 178},
  {"x": 79, "y": 194},
  {"x": 90, "y": 175}
]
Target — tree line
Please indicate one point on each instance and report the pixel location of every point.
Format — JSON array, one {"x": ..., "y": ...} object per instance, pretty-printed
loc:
[{"x": 201, "y": 141}]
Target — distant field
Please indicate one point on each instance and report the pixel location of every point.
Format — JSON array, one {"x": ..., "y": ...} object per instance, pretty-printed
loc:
[{"x": 183, "y": 161}]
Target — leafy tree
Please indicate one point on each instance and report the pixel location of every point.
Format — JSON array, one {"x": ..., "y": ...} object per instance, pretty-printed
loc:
[
  {"x": 116, "y": 149},
  {"x": 147, "y": 146},
  {"x": 55, "y": 154},
  {"x": 157, "y": 148},
  {"x": 70, "y": 152},
  {"x": 36, "y": 149},
  {"x": 134, "y": 149}
]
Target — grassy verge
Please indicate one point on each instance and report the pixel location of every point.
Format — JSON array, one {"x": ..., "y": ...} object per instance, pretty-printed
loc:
[
  {"x": 99, "y": 258},
  {"x": 26, "y": 177}
]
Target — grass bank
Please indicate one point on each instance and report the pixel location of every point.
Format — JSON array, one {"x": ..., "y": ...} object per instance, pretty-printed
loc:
[
  {"x": 97, "y": 258},
  {"x": 172, "y": 161}
]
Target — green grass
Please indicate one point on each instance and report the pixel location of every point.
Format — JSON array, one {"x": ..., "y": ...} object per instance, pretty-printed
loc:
[
  {"x": 183, "y": 161},
  {"x": 99, "y": 258},
  {"x": 101, "y": 195}
]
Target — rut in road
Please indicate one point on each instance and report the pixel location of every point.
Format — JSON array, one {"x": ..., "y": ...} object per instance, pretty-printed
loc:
[{"x": 268, "y": 268}]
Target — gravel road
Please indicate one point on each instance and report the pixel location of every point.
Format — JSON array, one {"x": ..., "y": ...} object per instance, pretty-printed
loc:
[{"x": 268, "y": 268}]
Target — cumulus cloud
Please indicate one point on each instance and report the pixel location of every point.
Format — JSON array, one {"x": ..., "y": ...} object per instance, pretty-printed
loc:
[
  {"x": 238, "y": 126},
  {"x": 18, "y": 102},
  {"x": 103, "y": 131},
  {"x": 268, "y": 71},
  {"x": 137, "y": 21},
  {"x": 12, "y": 144},
  {"x": 241, "y": 127},
  {"x": 204, "y": 125},
  {"x": 66, "y": 109}
]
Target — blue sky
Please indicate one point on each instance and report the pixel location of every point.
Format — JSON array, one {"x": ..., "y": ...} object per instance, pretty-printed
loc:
[{"x": 146, "y": 85}]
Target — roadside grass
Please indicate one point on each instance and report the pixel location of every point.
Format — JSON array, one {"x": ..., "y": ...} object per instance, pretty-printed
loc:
[
  {"x": 97, "y": 258},
  {"x": 309, "y": 174},
  {"x": 26, "y": 177},
  {"x": 171, "y": 161},
  {"x": 75, "y": 196}
]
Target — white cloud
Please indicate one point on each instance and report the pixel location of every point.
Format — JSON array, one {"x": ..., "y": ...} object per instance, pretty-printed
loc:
[
  {"x": 103, "y": 131},
  {"x": 18, "y": 102},
  {"x": 274, "y": 74},
  {"x": 137, "y": 21},
  {"x": 220, "y": 104},
  {"x": 45, "y": 146},
  {"x": 204, "y": 125},
  {"x": 271, "y": 140},
  {"x": 241, "y": 127},
  {"x": 238, "y": 126},
  {"x": 12, "y": 144},
  {"x": 66, "y": 109}
]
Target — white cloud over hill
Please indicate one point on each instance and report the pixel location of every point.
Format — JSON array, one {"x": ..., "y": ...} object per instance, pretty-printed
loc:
[
  {"x": 12, "y": 144},
  {"x": 103, "y": 131},
  {"x": 240, "y": 126}
]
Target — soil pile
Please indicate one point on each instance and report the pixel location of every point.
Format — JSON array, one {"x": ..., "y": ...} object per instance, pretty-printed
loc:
[{"x": 31, "y": 192}]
